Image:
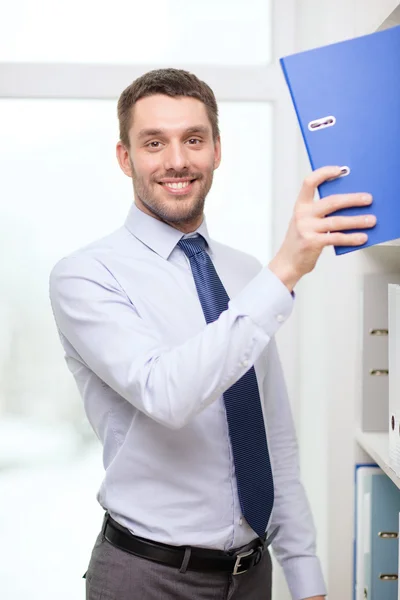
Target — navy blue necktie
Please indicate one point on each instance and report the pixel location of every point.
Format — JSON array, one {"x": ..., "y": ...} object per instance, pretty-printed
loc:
[{"x": 242, "y": 402}]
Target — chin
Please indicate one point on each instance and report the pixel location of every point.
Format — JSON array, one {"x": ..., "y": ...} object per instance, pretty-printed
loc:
[
  {"x": 181, "y": 209},
  {"x": 174, "y": 210},
  {"x": 181, "y": 216}
]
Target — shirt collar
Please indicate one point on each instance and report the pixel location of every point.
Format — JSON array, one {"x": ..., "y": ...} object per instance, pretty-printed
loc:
[{"x": 157, "y": 235}]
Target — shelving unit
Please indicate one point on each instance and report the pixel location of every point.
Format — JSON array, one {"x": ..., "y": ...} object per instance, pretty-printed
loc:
[
  {"x": 376, "y": 445},
  {"x": 382, "y": 258},
  {"x": 382, "y": 262},
  {"x": 392, "y": 243},
  {"x": 334, "y": 436}
]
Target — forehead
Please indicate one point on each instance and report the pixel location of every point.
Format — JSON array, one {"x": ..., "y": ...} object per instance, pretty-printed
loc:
[{"x": 169, "y": 114}]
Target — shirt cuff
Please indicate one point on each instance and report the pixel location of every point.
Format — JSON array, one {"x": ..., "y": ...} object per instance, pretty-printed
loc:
[
  {"x": 266, "y": 300},
  {"x": 304, "y": 577}
]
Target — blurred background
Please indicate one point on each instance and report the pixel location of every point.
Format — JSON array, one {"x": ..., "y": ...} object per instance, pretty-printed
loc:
[{"x": 62, "y": 68}]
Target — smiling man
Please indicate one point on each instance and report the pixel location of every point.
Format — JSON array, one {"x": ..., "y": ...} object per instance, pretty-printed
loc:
[{"x": 170, "y": 337}]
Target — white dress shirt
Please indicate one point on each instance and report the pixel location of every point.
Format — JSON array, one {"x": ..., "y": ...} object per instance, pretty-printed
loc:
[{"x": 151, "y": 373}]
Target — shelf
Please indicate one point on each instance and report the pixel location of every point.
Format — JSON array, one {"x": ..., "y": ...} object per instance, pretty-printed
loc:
[
  {"x": 390, "y": 243},
  {"x": 377, "y": 446}
]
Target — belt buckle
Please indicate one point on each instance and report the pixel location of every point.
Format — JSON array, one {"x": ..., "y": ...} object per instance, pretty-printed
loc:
[{"x": 237, "y": 563}]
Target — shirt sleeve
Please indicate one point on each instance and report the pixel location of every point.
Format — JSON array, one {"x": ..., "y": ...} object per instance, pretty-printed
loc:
[
  {"x": 295, "y": 544},
  {"x": 169, "y": 384}
]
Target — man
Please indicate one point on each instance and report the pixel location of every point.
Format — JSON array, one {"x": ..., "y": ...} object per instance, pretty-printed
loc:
[{"x": 170, "y": 337}]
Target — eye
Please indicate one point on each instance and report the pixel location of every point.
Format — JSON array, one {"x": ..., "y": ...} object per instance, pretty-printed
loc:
[
  {"x": 154, "y": 145},
  {"x": 194, "y": 141}
]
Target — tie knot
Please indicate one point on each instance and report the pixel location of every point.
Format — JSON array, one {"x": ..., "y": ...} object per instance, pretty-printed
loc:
[{"x": 193, "y": 245}]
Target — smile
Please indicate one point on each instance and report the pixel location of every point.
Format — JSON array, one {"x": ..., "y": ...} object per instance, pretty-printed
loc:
[{"x": 178, "y": 187}]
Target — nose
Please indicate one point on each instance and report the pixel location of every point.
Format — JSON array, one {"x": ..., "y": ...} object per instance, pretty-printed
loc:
[{"x": 175, "y": 157}]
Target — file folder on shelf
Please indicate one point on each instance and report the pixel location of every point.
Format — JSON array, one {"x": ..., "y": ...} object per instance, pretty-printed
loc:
[
  {"x": 362, "y": 472},
  {"x": 398, "y": 592},
  {"x": 394, "y": 377},
  {"x": 381, "y": 500},
  {"x": 373, "y": 351},
  {"x": 347, "y": 100}
]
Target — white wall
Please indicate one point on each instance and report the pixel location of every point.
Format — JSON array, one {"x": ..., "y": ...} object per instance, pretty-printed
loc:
[{"x": 328, "y": 307}]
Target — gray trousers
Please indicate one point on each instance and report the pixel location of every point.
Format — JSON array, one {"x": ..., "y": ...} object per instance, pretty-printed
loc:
[{"x": 114, "y": 574}]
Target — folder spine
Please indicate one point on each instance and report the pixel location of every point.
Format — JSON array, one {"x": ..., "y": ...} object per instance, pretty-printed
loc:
[{"x": 300, "y": 120}]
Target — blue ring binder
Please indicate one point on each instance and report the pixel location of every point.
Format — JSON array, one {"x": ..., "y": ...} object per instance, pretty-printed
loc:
[{"x": 357, "y": 82}]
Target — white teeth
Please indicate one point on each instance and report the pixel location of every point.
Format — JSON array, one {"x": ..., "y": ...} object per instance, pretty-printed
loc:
[{"x": 179, "y": 185}]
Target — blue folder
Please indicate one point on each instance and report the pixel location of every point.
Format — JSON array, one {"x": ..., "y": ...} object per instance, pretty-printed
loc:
[
  {"x": 363, "y": 471},
  {"x": 347, "y": 100},
  {"x": 381, "y": 552}
]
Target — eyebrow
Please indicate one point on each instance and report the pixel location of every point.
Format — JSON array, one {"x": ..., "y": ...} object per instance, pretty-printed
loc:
[{"x": 143, "y": 133}]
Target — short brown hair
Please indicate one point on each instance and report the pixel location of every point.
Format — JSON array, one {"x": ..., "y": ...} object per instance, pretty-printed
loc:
[{"x": 170, "y": 82}]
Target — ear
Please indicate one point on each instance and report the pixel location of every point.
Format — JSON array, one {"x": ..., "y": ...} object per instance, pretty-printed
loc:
[
  {"x": 217, "y": 152},
  {"x": 123, "y": 159}
]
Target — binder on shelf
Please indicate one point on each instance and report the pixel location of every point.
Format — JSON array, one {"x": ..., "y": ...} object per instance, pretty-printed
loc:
[
  {"x": 347, "y": 97},
  {"x": 361, "y": 518},
  {"x": 374, "y": 354},
  {"x": 398, "y": 569},
  {"x": 394, "y": 377},
  {"x": 381, "y": 506}
]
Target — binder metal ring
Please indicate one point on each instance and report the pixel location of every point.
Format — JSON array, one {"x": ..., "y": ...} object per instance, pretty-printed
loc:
[
  {"x": 388, "y": 535},
  {"x": 378, "y": 332},
  {"x": 379, "y": 372},
  {"x": 344, "y": 171},
  {"x": 322, "y": 123}
]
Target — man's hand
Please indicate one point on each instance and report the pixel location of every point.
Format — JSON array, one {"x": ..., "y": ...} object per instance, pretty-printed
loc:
[
  {"x": 316, "y": 598},
  {"x": 310, "y": 229}
]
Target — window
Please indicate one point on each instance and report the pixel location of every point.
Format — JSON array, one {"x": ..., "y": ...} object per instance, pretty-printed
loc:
[
  {"x": 164, "y": 32},
  {"x": 61, "y": 188}
]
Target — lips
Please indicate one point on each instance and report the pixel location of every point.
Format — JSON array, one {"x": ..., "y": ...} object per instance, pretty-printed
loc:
[{"x": 178, "y": 187}]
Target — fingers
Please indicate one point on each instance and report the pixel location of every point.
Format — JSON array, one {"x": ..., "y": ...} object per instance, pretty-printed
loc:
[
  {"x": 330, "y": 224},
  {"x": 333, "y": 203},
  {"x": 344, "y": 239},
  {"x": 315, "y": 179}
]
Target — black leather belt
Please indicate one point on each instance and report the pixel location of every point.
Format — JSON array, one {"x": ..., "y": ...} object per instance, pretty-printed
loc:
[{"x": 183, "y": 558}]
